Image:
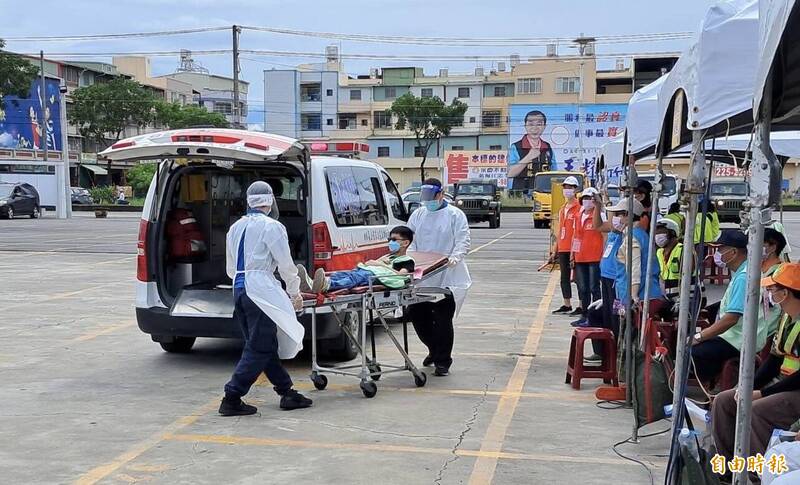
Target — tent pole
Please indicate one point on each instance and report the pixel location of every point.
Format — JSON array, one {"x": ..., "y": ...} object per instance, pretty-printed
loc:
[
  {"x": 629, "y": 367},
  {"x": 654, "y": 211},
  {"x": 757, "y": 214},
  {"x": 694, "y": 187}
]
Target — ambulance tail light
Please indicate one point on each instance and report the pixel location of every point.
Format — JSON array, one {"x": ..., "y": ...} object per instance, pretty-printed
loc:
[
  {"x": 322, "y": 245},
  {"x": 142, "y": 274}
]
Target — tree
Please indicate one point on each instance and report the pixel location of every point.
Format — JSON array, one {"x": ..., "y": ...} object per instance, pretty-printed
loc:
[
  {"x": 428, "y": 118},
  {"x": 177, "y": 116},
  {"x": 140, "y": 176},
  {"x": 102, "y": 111},
  {"x": 16, "y": 74}
]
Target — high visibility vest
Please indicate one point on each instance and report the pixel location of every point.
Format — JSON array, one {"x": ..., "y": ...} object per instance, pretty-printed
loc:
[
  {"x": 786, "y": 345},
  {"x": 670, "y": 273}
]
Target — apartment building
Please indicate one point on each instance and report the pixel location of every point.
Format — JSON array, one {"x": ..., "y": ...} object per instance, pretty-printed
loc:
[
  {"x": 214, "y": 93},
  {"x": 322, "y": 103}
]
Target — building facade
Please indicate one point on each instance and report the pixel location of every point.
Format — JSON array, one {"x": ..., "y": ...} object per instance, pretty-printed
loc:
[
  {"x": 214, "y": 93},
  {"x": 321, "y": 103}
]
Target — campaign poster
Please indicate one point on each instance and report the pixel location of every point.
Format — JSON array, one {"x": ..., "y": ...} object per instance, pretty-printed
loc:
[
  {"x": 551, "y": 137},
  {"x": 476, "y": 164},
  {"x": 21, "y": 118}
]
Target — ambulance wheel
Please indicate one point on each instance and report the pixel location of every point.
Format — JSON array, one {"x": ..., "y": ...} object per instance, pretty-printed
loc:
[
  {"x": 421, "y": 379},
  {"x": 374, "y": 367},
  {"x": 369, "y": 389},
  {"x": 320, "y": 381},
  {"x": 179, "y": 345}
]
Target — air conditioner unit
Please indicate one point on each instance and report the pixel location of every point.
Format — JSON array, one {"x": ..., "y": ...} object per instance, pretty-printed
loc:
[
  {"x": 514, "y": 60},
  {"x": 501, "y": 66},
  {"x": 373, "y": 73},
  {"x": 479, "y": 71},
  {"x": 551, "y": 50},
  {"x": 443, "y": 72},
  {"x": 589, "y": 49}
]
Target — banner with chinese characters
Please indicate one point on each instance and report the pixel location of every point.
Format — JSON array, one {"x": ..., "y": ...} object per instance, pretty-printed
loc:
[
  {"x": 552, "y": 136},
  {"x": 476, "y": 164}
]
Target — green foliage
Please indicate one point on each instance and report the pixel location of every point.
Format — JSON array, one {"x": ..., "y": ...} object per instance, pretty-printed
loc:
[
  {"x": 140, "y": 176},
  {"x": 16, "y": 74},
  {"x": 428, "y": 118},
  {"x": 103, "y": 110},
  {"x": 102, "y": 195},
  {"x": 174, "y": 116}
]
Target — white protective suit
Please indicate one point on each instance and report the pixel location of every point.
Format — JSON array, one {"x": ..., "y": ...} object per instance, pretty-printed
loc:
[
  {"x": 266, "y": 247},
  {"x": 446, "y": 232}
]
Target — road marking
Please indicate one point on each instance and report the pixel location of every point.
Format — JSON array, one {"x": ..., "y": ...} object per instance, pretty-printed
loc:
[
  {"x": 483, "y": 471},
  {"x": 100, "y": 472},
  {"x": 490, "y": 243},
  {"x": 361, "y": 447},
  {"x": 103, "y": 331},
  {"x": 61, "y": 296}
]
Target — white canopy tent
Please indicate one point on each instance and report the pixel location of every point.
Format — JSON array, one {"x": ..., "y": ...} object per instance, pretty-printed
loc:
[
  {"x": 779, "y": 34},
  {"x": 643, "y": 121}
]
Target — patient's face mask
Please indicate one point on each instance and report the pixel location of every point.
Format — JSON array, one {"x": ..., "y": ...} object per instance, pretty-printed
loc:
[{"x": 394, "y": 246}]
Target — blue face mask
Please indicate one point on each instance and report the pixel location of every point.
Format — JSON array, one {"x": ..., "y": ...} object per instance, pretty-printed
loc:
[
  {"x": 432, "y": 205},
  {"x": 394, "y": 246}
]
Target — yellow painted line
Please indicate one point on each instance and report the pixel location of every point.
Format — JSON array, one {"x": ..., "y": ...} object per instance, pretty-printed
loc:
[
  {"x": 61, "y": 296},
  {"x": 103, "y": 331},
  {"x": 483, "y": 471},
  {"x": 361, "y": 447},
  {"x": 490, "y": 243},
  {"x": 100, "y": 472}
]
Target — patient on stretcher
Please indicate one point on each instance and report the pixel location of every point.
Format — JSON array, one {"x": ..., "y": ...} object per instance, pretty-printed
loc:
[{"x": 394, "y": 270}]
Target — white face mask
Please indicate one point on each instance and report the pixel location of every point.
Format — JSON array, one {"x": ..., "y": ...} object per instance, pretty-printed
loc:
[
  {"x": 773, "y": 301},
  {"x": 718, "y": 260},
  {"x": 588, "y": 204},
  {"x": 569, "y": 193},
  {"x": 662, "y": 240},
  {"x": 616, "y": 221}
]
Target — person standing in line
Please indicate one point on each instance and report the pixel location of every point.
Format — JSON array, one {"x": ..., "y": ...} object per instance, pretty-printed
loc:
[
  {"x": 256, "y": 246},
  {"x": 443, "y": 229},
  {"x": 587, "y": 251},
  {"x": 562, "y": 250},
  {"x": 611, "y": 268}
]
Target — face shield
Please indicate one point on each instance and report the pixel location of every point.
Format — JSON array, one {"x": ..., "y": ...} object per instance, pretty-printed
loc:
[{"x": 428, "y": 193}]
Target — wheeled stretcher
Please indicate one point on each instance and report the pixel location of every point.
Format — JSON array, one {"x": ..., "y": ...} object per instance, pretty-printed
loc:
[{"x": 367, "y": 305}]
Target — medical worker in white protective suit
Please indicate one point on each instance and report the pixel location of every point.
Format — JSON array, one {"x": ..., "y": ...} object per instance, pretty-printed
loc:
[
  {"x": 256, "y": 245},
  {"x": 440, "y": 228}
]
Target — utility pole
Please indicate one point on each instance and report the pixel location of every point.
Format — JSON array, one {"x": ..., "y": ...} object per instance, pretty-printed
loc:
[
  {"x": 66, "y": 197},
  {"x": 582, "y": 42},
  {"x": 236, "y": 111}
]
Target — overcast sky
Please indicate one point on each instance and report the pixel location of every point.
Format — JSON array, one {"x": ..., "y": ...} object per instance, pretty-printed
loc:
[{"x": 430, "y": 18}]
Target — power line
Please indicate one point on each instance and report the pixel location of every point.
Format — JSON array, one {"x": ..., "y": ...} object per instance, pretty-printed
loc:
[{"x": 129, "y": 35}]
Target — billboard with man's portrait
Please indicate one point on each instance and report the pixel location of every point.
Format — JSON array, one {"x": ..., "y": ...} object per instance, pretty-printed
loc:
[{"x": 550, "y": 137}]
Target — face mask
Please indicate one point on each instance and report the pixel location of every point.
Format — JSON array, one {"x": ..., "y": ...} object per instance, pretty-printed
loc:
[
  {"x": 394, "y": 246},
  {"x": 588, "y": 204},
  {"x": 616, "y": 221},
  {"x": 432, "y": 205},
  {"x": 773, "y": 301},
  {"x": 765, "y": 253},
  {"x": 662, "y": 240},
  {"x": 569, "y": 193},
  {"x": 718, "y": 260}
]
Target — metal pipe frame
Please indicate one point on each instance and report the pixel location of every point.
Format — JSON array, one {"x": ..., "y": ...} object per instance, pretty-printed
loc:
[{"x": 629, "y": 367}]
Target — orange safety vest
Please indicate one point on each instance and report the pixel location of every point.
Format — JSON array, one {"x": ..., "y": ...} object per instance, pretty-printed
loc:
[
  {"x": 567, "y": 218},
  {"x": 588, "y": 243}
]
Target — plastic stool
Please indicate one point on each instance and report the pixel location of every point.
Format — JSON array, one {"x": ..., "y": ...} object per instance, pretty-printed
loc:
[{"x": 607, "y": 370}]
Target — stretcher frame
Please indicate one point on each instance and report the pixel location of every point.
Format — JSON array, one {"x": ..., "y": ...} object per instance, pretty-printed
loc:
[{"x": 369, "y": 304}]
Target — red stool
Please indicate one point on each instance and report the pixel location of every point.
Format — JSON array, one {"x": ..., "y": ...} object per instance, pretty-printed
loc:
[{"x": 607, "y": 370}]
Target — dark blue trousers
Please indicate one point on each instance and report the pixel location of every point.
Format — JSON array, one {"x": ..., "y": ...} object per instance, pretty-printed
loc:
[
  {"x": 260, "y": 353},
  {"x": 709, "y": 357}
]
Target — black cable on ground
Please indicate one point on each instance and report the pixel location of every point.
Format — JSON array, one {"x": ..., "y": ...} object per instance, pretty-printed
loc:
[
  {"x": 643, "y": 464},
  {"x": 610, "y": 404}
]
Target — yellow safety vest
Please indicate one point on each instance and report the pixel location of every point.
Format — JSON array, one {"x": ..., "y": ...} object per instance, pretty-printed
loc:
[
  {"x": 670, "y": 271},
  {"x": 786, "y": 345}
]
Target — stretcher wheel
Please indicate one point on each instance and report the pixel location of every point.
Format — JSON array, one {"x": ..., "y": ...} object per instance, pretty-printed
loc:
[
  {"x": 374, "y": 367},
  {"x": 369, "y": 389},
  {"x": 421, "y": 379},
  {"x": 320, "y": 381}
]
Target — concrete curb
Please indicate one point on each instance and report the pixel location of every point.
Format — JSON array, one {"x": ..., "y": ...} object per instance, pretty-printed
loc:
[{"x": 109, "y": 208}]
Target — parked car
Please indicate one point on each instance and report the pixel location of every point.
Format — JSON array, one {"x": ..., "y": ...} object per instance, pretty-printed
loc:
[
  {"x": 340, "y": 218},
  {"x": 20, "y": 199},
  {"x": 81, "y": 196},
  {"x": 728, "y": 194},
  {"x": 480, "y": 201}
]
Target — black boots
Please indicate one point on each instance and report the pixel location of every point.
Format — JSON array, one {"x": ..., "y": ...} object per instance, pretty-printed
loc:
[
  {"x": 234, "y": 406},
  {"x": 294, "y": 400}
]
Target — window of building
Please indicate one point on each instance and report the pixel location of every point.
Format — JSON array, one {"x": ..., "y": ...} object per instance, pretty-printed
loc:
[
  {"x": 457, "y": 147},
  {"x": 310, "y": 92},
  {"x": 329, "y": 92},
  {"x": 530, "y": 85},
  {"x": 491, "y": 119},
  {"x": 395, "y": 201},
  {"x": 390, "y": 92},
  {"x": 71, "y": 75},
  {"x": 383, "y": 152},
  {"x": 311, "y": 121},
  {"x": 426, "y": 92},
  {"x": 329, "y": 122},
  {"x": 242, "y": 109},
  {"x": 495, "y": 147},
  {"x": 463, "y": 92},
  {"x": 356, "y": 196},
  {"x": 383, "y": 119},
  {"x": 347, "y": 121},
  {"x": 418, "y": 151},
  {"x": 364, "y": 122},
  {"x": 568, "y": 85},
  {"x": 355, "y": 95},
  {"x": 223, "y": 107},
  {"x": 500, "y": 91},
  {"x": 472, "y": 119}
]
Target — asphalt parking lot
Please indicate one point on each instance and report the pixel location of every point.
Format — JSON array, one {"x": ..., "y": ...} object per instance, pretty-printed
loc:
[{"x": 87, "y": 398}]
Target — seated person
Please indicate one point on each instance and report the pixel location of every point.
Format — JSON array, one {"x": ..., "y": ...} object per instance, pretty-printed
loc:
[
  {"x": 669, "y": 256},
  {"x": 392, "y": 270},
  {"x": 776, "y": 398}
]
